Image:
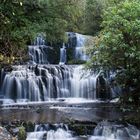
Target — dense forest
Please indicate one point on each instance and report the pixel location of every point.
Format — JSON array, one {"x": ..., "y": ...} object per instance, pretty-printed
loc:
[{"x": 115, "y": 25}]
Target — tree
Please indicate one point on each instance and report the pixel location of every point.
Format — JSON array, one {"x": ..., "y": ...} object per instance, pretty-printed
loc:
[
  {"x": 16, "y": 27},
  {"x": 92, "y": 20},
  {"x": 118, "y": 45},
  {"x": 21, "y": 20}
]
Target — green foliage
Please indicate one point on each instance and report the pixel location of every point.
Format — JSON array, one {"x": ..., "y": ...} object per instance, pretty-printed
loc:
[
  {"x": 16, "y": 27},
  {"x": 93, "y": 15},
  {"x": 94, "y": 9},
  {"x": 22, "y": 133},
  {"x": 118, "y": 44},
  {"x": 76, "y": 62},
  {"x": 21, "y": 20}
]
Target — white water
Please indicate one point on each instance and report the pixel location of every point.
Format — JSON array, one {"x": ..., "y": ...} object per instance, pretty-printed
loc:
[
  {"x": 80, "y": 50},
  {"x": 38, "y": 54},
  {"x": 63, "y": 55},
  {"x": 84, "y": 82},
  {"x": 103, "y": 131},
  {"x": 35, "y": 135},
  {"x": 50, "y": 132},
  {"x": 40, "y": 40},
  {"x": 60, "y": 134},
  {"x": 115, "y": 131},
  {"x": 44, "y": 83}
]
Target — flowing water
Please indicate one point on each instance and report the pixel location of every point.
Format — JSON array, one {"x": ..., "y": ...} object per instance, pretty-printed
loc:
[
  {"x": 38, "y": 54},
  {"x": 63, "y": 55},
  {"x": 103, "y": 131},
  {"x": 46, "y": 82},
  {"x": 39, "y": 82},
  {"x": 38, "y": 51},
  {"x": 115, "y": 131},
  {"x": 50, "y": 132},
  {"x": 80, "y": 49}
]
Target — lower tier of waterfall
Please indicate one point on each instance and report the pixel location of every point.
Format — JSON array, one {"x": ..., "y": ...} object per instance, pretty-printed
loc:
[
  {"x": 103, "y": 131},
  {"x": 50, "y": 132}
]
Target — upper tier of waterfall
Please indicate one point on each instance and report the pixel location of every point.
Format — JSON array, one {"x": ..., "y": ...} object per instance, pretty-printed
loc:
[
  {"x": 39, "y": 51},
  {"x": 80, "y": 49},
  {"x": 63, "y": 55},
  {"x": 38, "y": 54}
]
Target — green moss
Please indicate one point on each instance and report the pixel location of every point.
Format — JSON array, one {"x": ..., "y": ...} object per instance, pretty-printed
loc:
[
  {"x": 22, "y": 133},
  {"x": 71, "y": 62}
]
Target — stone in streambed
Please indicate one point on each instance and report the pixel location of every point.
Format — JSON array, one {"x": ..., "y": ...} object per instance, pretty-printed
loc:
[{"x": 5, "y": 135}]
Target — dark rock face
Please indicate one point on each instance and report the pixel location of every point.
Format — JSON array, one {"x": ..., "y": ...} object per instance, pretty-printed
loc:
[
  {"x": 72, "y": 40},
  {"x": 103, "y": 91},
  {"x": 8, "y": 68}
]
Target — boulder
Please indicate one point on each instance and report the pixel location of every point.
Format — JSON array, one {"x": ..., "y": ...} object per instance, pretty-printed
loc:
[{"x": 5, "y": 135}]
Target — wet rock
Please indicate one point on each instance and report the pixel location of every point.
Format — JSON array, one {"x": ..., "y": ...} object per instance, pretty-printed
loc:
[
  {"x": 5, "y": 135},
  {"x": 82, "y": 127},
  {"x": 116, "y": 130},
  {"x": 29, "y": 126},
  {"x": 37, "y": 72},
  {"x": 8, "y": 68}
]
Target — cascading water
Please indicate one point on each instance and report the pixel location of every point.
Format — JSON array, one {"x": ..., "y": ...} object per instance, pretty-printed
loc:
[
  {"x": 46, "y": 82},
  {"x": 39, "y": 40},
  {"x": 84, "y": 83},
  {"x": 80, "y": 50},
  {"x": 38, "y": 51},
  {"x": 103, "y": 131},
  {"x": 63, "y": 55},
  {"x": 50, "y": 82},
  {"x": 38, "y": 54},
  {"x": 50, "y": 132},
  {"x": 115, "y": 131}
]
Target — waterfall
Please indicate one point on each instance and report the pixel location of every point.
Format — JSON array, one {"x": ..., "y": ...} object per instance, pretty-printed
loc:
[
  {"x": 35, "y": 135},
  {"x": 80, "y": 50},
  {"x": 50, "y": 132},
  {"x": 47, "y": 82},
  {"x": 63, "y": 55},
  {"x": 38, "y": 54},
  {"x": 103, "y": 131},
  {"x": 84, "y": 83},
  {"x": 39, "y": 40},
  {"x": 115, "y": 131},
  {"x": 38, "y": 51}
]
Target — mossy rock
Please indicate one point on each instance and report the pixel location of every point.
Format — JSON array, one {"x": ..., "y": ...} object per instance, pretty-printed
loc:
[{"x": 22, "y": 133}]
